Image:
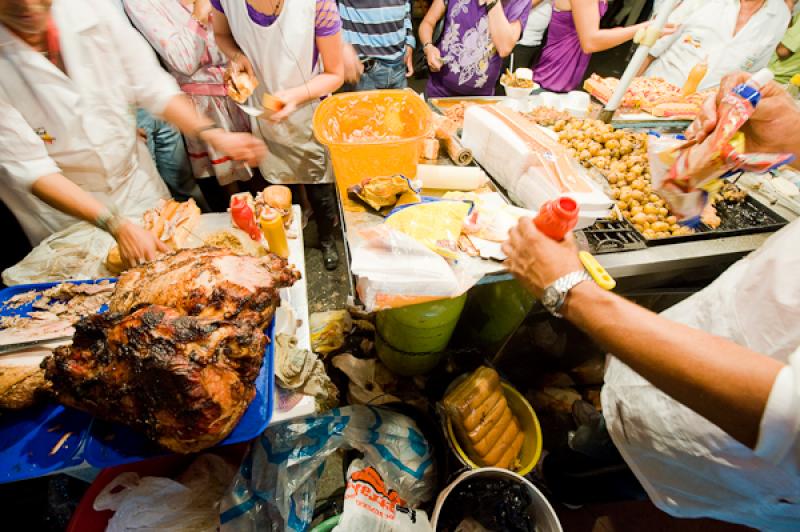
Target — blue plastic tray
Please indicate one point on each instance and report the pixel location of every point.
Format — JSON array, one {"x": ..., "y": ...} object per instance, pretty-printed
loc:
[{"x": 28, "y": 436}]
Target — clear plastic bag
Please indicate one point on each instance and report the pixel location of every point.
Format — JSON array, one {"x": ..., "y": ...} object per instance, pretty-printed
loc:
[
  {"x": 275, "y": 489},
  {"x": 395, "y": 270},
  {"x": 77, "y": 252}
]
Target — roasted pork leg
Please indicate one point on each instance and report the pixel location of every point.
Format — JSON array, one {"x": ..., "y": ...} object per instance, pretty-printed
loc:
[
  {"x": 208, "y": 283},
  {"x": 185, "y": 381}
]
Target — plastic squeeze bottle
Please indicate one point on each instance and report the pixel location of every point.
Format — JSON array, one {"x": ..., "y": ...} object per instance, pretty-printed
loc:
[
  {"x": 696, "y": 75},
  {"x": 557, "y": 217},
  {"x": 271, "y": 224}
]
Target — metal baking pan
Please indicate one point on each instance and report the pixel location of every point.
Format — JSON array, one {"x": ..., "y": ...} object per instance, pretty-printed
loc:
[{"x": 745, "y": 218}]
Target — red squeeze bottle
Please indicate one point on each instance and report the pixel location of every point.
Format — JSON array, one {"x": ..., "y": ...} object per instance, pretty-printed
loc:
[{"x": 557, "y": 217}]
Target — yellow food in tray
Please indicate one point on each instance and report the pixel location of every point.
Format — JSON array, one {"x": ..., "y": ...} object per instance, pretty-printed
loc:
[{"x": 484, "y": 424}]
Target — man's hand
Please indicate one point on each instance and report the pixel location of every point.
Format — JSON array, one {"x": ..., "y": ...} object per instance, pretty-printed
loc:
[
  {"x": 434, "y": 58},
  {"x": 353, "y": 68},
  {"x": 536, "y": 259},
  {"x": 238, "y": 146},
  {"x": 409, "y": 59},
  {"x": 137, "y": 245},
  {"x": 771, "y": 129}
]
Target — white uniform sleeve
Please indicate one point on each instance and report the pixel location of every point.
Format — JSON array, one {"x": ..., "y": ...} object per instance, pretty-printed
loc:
[
  {"x": 779, "y": 434},
  {"x": 153, "y": 87},
  {"x": 23, "y": 155}
]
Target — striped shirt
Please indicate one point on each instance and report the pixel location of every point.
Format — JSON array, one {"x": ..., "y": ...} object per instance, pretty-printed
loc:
[{"x": 378, "y": 29}]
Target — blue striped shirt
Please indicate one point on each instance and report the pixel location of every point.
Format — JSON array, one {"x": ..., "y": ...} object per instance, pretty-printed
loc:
[{"x": 378, "y": 29}]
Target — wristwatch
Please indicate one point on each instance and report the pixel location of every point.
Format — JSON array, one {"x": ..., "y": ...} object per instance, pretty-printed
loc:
[
  {"x": 489, "y": 5},
  {"x": 556, "y": 294}
]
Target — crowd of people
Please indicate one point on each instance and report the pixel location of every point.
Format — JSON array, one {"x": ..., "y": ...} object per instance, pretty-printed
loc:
[{"x": 106, "y": 108}]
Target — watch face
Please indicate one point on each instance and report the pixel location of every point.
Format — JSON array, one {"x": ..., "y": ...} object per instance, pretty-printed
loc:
[{"x": 551, "y": 297}]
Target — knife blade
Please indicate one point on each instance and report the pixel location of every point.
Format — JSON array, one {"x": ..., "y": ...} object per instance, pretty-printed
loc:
[{"x": 11, "y": 348}]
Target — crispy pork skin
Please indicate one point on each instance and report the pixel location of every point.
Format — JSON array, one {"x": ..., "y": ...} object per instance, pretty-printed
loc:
[
  {"x": 182, "y": 380},
  {"x": 208, "y": 283},
  {"x": 179, "y": 351}
]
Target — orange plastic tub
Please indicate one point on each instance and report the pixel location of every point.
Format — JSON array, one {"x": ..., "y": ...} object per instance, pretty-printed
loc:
[{"x": 370, "y": 134}]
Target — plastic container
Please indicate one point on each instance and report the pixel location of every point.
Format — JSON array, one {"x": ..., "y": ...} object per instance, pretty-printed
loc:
[
  {"x": 423, "y": 328},
  {"x": 558, "y": 217},
  {"x": 540, "y": 509},
  {"x": 271, "y": 224},
  {"x": 529, "y": 424},
  {"x": 401, "y": 114},
  {"x": 519, "y": 92},
  {"x": 696, "y": 76},
  {"x": 403, "y": 363},
  {"x": 494, "y": 311}
]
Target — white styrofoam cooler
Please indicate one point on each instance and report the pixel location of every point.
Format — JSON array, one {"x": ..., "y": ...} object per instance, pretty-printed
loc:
[{"x": 511, "y": 162}]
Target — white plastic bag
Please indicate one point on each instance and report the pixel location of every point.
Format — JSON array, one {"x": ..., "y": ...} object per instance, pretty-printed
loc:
[
  {"x": 370, "y": 505},
  {"x": 166, "y": 505},
  {"x": 77, "y": 252},
  {"x": 275, "y": 489},
  {"x": 394, "y": 270}
]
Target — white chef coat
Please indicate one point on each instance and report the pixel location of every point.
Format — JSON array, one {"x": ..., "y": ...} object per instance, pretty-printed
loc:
[
  {"x": 538, "y": 20},
  {"x": 87, "y": 117},
  {"x": 690, "y": 467},
  {"x": 706, "y": 30}
]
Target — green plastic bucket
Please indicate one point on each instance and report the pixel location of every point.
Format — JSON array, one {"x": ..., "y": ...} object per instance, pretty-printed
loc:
[
  {"x": 405, "y": 364},
  {"x": 423, "y": 328}
]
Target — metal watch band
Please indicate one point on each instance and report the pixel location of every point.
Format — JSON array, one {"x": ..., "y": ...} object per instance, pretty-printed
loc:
[{"x": 566, "y": 283}]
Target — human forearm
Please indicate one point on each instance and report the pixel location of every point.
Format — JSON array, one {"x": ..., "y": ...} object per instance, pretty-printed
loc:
[
  {"x": 228, "y": 45},
  {"x": 504, "y": 34},
  {"x": 182, "y": 113},
  {"x": 600, "y": 40},
  {"x": 647, "y": 62},
  {"x": 67, "y": 197},
  {"x": 726, "y": 383},
  {"x": 425, "y": 31}
]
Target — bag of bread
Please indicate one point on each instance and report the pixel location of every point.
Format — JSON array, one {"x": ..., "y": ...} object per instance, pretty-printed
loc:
[{"x": 484, "y": 424}]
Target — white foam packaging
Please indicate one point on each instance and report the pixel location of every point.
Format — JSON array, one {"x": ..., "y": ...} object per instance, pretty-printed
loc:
[{"x": 510, "y": 160}]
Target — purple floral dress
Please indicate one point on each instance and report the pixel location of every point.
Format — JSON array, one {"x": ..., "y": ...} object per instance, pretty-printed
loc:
[{"x": 471, "y": 63}]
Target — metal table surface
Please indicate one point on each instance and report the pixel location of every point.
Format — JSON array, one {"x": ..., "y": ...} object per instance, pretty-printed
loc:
[{"x": 659, "y": 261}]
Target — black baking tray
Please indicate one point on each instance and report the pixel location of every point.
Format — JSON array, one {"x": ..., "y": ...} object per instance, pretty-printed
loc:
[
  {"x": 743, "y": 218},
  {"x": 611, "y": 236}
]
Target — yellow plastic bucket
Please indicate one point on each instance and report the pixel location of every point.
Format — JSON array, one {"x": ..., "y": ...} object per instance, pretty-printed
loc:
[
  {"x": 529, "y": 424},
  {"x": 351, "y": 124}
]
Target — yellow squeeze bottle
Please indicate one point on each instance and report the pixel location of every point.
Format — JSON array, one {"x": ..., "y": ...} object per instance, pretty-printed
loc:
[
  {"x": 271, "y": 224},
  {"x": 696, "y": 75}
]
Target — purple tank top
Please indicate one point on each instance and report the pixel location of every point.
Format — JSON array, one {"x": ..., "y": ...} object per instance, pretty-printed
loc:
[{"x": 563, "y": 63}]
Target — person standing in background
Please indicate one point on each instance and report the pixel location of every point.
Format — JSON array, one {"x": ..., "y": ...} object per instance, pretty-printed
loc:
[
  {"x": 573, "y": 36},
  {"x": 179, "y": 32},
  {"x": 785, "y": 62},
  {"x": 380, "y": 32},
  {"x": 529, "y": 48},
  {"x": 295, "y": 51},
  {"x": 73, "y": 72},
  {"x": 476, "y": 36},
  {"x": 730, "y": 35},
  {"x": 168, "y": 150}
]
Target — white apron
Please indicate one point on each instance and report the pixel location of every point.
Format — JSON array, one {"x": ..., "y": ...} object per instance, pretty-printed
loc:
[
  {"x": 688, "y": 466},
  {"x": 282, "y": 56},
  {"x": 87, "y": 116}
]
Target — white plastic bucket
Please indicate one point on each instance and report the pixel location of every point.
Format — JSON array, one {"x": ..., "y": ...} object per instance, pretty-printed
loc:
[{"x": 540, "y": 509}]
